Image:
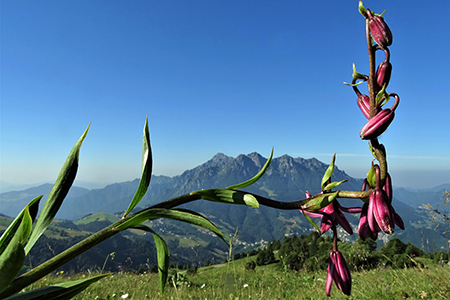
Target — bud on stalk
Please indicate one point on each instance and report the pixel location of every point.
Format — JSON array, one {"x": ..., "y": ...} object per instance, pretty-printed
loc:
[
  {"x": 380, "y": 212},
  {"x": 383, "y": 75},
  {"x": 377, "y": 125},
  {"x": 364, "y": 104},
  {"x": 364, "y": 230},
  {"x": 388, "y": 187},
  {"x": 384, "y": 71},
  {"x": 338, "y": 272},
  {"x": 381, "y": 33},
  {"x": 363, "y": 101}
]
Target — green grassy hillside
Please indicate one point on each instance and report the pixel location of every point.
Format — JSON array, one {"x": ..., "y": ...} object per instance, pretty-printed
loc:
[{"x": 233, "y": 281}]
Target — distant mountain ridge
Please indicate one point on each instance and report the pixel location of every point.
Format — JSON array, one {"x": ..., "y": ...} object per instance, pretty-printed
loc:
[{"x": 287, "y": 179}]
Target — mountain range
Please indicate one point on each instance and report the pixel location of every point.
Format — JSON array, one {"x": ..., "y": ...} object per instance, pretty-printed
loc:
[{"x": 287, "y": 179}]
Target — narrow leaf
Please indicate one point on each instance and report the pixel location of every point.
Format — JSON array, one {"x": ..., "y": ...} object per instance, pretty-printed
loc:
[
  {"x": 310, "y": 220},
  {"x": 328, "y": 172},
  {"x": 12, "y": 228},
  {"x": 61, "y": 291},
  {"x": 174, "y": 214},
  {"x": 147, "y": 164},
  {"x": 58, "y": 193},
  {"x": 227, "y": 196},
  {"x": 13, "y": 256},
  {"x": 334, "y": 185},
  {"x": 255, "y": 178},
  {"x": 162, "y": 252}
]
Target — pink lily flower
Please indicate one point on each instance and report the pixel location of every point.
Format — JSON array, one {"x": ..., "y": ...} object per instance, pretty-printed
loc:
[{"x": 334, "y": 214}]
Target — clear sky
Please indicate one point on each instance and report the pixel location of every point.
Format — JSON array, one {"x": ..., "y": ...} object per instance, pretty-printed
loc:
[{"x": 215, "y": 76}]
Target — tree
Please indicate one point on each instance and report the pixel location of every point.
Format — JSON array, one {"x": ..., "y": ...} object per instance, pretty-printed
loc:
[{"x": 265, "y": 257}]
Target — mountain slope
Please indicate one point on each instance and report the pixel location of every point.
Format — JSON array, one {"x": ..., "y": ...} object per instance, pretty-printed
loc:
[{"x": 287, "y": 179}]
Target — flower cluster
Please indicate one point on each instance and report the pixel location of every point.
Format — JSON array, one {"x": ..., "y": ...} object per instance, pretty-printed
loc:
[{"x": 377, "y": 213}]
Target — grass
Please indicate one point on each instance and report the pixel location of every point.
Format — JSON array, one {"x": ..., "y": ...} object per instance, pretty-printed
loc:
[
  {"x": 97, "y": 217},
  {"x": 232, "y": 281}
]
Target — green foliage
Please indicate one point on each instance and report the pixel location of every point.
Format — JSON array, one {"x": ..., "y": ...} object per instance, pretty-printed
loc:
[
  {"x": 255, "y": 178},
  {"x": 250, "y": 266},
  {"x": 60, "y": 291},
  {"x": 179, "y": 279},
  {"x": 264, "y": 283},
  {"x": 12, "y": 258},
  {"x": 147, "y": 164},
  {"x": 12, "y": 243},
  {"x": 265, "y": 257},
  {"x": 59, "y": 191}
]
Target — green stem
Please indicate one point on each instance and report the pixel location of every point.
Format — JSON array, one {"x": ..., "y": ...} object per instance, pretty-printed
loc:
[{"x": 59, "y": 260}]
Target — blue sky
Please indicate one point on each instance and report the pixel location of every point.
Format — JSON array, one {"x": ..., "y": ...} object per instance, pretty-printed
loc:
[{"x": 215, "y": 76}]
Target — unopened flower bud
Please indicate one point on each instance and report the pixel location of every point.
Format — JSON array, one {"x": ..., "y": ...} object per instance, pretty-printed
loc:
[
  {"x": 338, "y": 272},
  {"x": 364, "y": 104},
  {"x": 399, "y": 221},
  {"x": 381, "y": 33},
  {"x": 364, "y": 230},
  {"x": 377, "y": 125},
  {"x": 388, "y": 187},
  {"x": 383, "y": 75},
  {"x": 382, "y": 212}
]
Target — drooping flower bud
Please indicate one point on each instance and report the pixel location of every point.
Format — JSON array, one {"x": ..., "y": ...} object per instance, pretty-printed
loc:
[
  {"x": 338, "y": 272},
  {"x": 399, "y": 221},
  {"x": 377, "y": 125},
  {"x": 364, "y": 230},
  {"x": 381, "y": 33},
  {"x": 383, "y": 75},
  {"x": 384, "y": 71},
  {"x": 388, "y": 187},
  {"x": 364, "y": 104},
  {"x": 389, "y": 192},
  {"x": 380, "y": 212}
]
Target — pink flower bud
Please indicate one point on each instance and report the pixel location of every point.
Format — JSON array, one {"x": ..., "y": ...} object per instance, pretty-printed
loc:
[
  {"x": 381, "y": 33},
  {"x": 364, "y": 230},
  {"x": 377, "y": 125},
  {"x": 364, "y": 104},
  {"x": 338, "y": 272},
  {"x": 399, "y": 221},
  {"x": 383, "y": 75},
  {"x": 382, "y": 211},
  {"x": 388, "y": 187}
]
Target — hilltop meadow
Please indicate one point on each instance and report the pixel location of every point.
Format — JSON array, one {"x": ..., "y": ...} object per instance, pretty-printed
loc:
[
  {"x": 259, "y": 275},
  {"x": 234, "y": 281}
]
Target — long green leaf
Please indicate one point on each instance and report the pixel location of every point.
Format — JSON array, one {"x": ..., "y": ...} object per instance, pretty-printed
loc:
[
  {"x": 162, "y": 253},
  {"x": 227, "y": 196},
  {"x": 12, "y": 228},
  {"x": 328, "y": 173},
  {"x": 61, "y": 291},
  {"x": 174, "y": 214},
  {"x": 13, "y": 256},
  {"x": 310, "y": 220},
  {"x": 58, "y": 193},
  {"x": 147, "y": 164},
  {"x": 255, "y": 178},
  {"x": 334, "y": 185}
]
